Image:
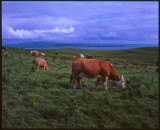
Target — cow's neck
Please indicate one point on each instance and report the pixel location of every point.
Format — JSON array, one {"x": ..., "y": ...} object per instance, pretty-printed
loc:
[{"x": 114, "y": 75}]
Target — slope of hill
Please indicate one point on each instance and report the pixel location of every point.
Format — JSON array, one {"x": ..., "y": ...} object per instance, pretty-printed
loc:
[{"x": 46, "y": 99}]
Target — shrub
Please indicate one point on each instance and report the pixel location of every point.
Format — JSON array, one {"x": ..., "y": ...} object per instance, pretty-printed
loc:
[
  {"x": 4, "y": 79},
  {"x": 33, "y": 69},
  {"x": 21, "y": 61},
  {"x": 33, "y": 61},
  {"x": 65, "y": 85},
  {"x": 9, "y": 70},
  {"x": 107, "y": 98},
  {"x": 45, "y": 83},
  {"x": 154, "y": 96},
  {"x": 134, "y": 88}
]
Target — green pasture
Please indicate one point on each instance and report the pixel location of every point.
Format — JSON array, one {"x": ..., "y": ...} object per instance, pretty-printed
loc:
[{"x": 46, "y": 99}]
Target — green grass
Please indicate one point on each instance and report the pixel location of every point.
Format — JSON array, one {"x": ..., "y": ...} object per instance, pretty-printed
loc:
[{"x": 61, "y": 106}]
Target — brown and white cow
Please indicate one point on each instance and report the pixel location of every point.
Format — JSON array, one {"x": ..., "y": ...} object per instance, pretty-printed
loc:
[
  {"x": 74, "y": 57},
  {"x": 36, "y": 53},
  {"x": 41, "y": 63},
  {"x": 94, "y": 68},
  {"x": 90, "y": 56},
  {"x": 80, "y": 56},
  {"x": 4, "y": 47}
]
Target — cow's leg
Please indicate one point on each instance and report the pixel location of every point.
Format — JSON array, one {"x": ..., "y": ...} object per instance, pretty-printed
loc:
[
  {"x": 78, "y": 80},
  {"x": 74, "y": 81},
  {"x": 37, "y": 68},
  {"x": 105, "y": 82},
  {"x": 97, "y": 83}
]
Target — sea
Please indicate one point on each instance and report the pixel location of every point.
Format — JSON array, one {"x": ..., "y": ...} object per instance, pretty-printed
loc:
[{"x": 89, "y": 46}]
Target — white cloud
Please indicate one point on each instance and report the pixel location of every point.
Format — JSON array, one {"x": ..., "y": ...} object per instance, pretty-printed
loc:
[
  {"x": 71, "y": 29},
  {"x": 25, "y": 34}
]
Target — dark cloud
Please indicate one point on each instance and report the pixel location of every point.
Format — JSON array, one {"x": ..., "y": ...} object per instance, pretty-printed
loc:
[{"x": 96, "y": 21}]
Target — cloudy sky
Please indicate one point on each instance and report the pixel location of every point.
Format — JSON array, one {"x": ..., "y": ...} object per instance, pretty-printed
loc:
[{"x": 81, "y": 21}]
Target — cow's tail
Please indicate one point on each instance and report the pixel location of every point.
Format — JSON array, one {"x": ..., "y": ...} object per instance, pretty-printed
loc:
[{"x": 71, "y": 77}]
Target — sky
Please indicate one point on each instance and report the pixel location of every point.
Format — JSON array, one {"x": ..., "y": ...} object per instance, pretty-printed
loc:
[{"x": 81, "y": 21}]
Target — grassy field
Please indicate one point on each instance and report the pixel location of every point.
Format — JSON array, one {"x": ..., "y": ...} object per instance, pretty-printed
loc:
[{"x": 46, "y": 99}]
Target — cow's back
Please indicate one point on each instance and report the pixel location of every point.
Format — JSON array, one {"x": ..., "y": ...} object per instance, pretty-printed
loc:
[
  {"x": 35, "y": 53},
  {"x": 38, "y": 61},
  {"x": 90, "y": 67},
  {"x": 43, "y": 62}
]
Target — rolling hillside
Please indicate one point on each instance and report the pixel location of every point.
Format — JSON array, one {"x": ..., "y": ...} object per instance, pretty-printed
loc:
[{"x": 46, "y": 99}]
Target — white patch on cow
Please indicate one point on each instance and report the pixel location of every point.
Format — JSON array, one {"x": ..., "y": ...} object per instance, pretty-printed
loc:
[
  {"x": 105, "y": 85},
  {"x": 81, "y": 55},
  {"x": 99, "y": 76},
  {"x": 84, "y": 75},
  {"x": 74, "y": 86}
]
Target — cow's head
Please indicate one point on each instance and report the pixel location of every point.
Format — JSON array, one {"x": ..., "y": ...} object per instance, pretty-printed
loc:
[
  {"x": 31, "y": 52},
  {"x": 46, "y": 67},
  {"x": 121, "y": 82}
]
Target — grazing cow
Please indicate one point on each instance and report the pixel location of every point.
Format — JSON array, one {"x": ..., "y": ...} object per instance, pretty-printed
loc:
[
  {"x": 4, "y": 47},
  {"x": 56, "y": 53},
  {"x": 90, "y": 56},
  {"x": 41, "y": 63},
  {"x": 35, "y": 53},
  {"x": 42, "y": 53},
  {"x": 74, "y": 57},
  {"x": 94, "y": 68},
  {"x": 80, "y": 56}
]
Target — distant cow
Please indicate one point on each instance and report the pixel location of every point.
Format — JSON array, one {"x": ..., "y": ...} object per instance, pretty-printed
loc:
[
  {"x": 42, "y": 53},
  {"x": 74, "y": 57},
  {"x": 94, "y": 68},
  {"x": 80, "y": 56},
  {"x": 41, "y": 63},
  {"x": 4, "y": 47},
  {"x": 56, "y": 53},
  {"x": 90, "y": 56},
  {"x": 36, "y": 53}
]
